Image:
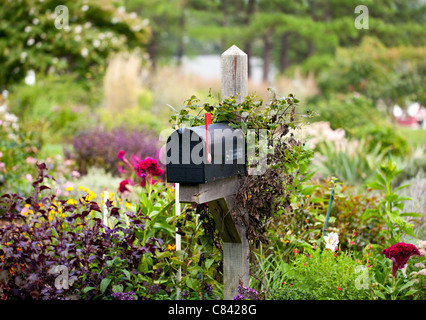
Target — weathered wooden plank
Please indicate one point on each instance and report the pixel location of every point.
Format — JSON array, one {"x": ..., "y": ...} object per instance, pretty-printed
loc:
[{"x": 203, "y": 193}]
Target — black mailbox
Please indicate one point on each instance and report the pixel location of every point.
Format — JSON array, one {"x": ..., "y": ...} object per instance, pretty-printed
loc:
[{"x": 188, "y": 160}]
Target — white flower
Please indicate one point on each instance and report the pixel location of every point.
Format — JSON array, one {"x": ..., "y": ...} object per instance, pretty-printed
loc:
[
  {"x": 84, "y": 52},
  {"x": 331, "y": 241},
  {"x": 30, "y": 42},
  {"x": 85, "y": 8}
]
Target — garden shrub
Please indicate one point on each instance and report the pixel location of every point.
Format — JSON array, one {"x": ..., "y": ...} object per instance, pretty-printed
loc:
[
  {"x": 360, "y": 119},
  {"x": 348, "y": 112},
  {"x": 325, "y": 275},
  {"x": 99, "y": 148},
  {"x": 17, "y": 146}
]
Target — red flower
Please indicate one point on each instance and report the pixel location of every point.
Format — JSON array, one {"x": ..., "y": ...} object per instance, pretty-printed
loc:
[
  {"x": 400, "y": 253},
  {"x": 122, "y": 188},
  {"x": 121, "y": 154},
  {"x": 149, "y": 166}
]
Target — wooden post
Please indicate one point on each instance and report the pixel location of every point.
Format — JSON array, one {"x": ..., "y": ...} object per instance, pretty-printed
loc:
[
  {"x": 220, "y": 194},
  {"x": 235, "y": 252},
  {"x": 234, "y": 74}
]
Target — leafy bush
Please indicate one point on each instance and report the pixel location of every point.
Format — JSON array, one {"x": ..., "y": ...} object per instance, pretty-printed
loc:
[
  {"x": 348, "y": 112},
  {"x": 385, "y": 135},
  {"x": 17, "y": 146},
  {"x": 99, "y": 148},
  {"x": 390, "y": 213},
  {"x": 360, "y": 119},
  {"x": 322, "y": 275}
]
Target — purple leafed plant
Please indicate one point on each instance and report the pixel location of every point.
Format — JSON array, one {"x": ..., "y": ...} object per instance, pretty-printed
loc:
[
  {"x": 47, "y": 256},
  {"x": 99, "y": 147}
]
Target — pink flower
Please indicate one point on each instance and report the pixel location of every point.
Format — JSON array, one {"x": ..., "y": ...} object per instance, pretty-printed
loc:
[
  {"x": 400, "y": 253},
  {"x": 339, "y": 288},
  {"x": 121, "y": 154},
  {"x": 352, "y": 242}
]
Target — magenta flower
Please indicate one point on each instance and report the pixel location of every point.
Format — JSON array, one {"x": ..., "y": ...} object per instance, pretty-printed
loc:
[
  {"x": 121, "y": 154},
  {"x": 148, "y": 168},
  {"x": 400, "y": 253},
  {"x": 123, "y": 185}
]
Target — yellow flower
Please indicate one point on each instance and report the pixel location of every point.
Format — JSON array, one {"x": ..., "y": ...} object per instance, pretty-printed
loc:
[
  {"x": 72, "y": 202},
  {"x": 90, "y": 196},
  {"x": 171, "y": 247},
  {"x": 69, "y": 189}
]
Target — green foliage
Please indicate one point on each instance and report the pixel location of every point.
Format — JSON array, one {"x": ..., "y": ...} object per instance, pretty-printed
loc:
[
  {"x": 387, "y": 136},
  {"x": 322, "y": 275},
  {"x": 29, "y": 39},
  {"x": 353, "y": 162},
  {"x": 390, "y": 208},
  {"x": 57, "y": 105},
  {"x": 359, "y": 117},
  {"x": 348, "y": 111},
  {"x": 393, "y": 75},
  {"x": 17, "y": 144},
  {"x": 385, "y": 287}
]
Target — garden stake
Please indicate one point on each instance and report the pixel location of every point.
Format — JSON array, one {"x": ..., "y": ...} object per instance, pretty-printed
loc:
[
  {"x": 178, "y": 239},
  {"x": 328, "y": 213}
]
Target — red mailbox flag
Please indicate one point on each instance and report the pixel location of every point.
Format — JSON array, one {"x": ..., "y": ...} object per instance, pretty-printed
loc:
[{"x": 208, "y": 118}]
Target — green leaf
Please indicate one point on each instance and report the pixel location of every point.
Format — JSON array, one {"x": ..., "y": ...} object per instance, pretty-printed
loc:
[
  {"x": 192, "y": 283},
  {"x": 127, "y": 273},
  {"x": 402, "y": 187},
  {"x": 104, "y": 284},
  {"x": 376, "y": 186},
  {"x": 209, "y": 262},
  {"x": 54, "y": 232},
  {"x": 411, "y": 214},
  {"x": 380, "y": 179},
  {"x": 117, "y": 288},
  {"x": 405, "y": 286},
  {"x": 410, "y": 292},
  {"x": 87, "y": 289},
  {"x": 379, "y": 294}
]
